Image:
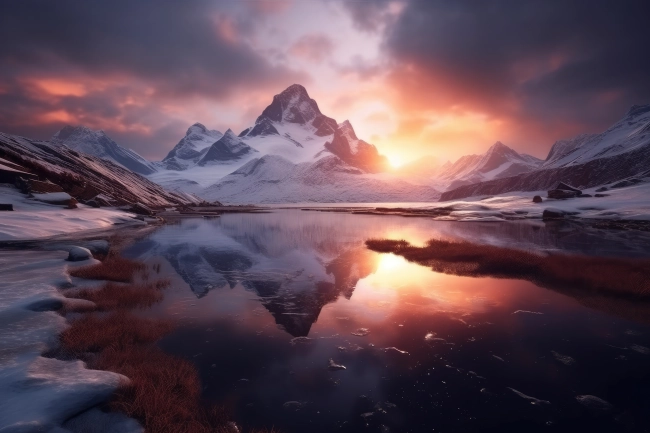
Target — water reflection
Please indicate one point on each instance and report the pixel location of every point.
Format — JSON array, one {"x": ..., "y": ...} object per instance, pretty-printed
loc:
[{"x": 264, "y": 302}]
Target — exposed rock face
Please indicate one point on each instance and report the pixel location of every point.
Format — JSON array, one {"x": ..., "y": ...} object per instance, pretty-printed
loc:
[
  {"x": 623, "y": 151},
  {"x": 561, "y": 194},
  {"x": 97, "y": 143},
  {"x": 85, "y": 176},
  {"x": 227, "y": 148},
  {"x": 293, "y": 105},
  {"x": 355, "y": 152},
  {"x": 590, "y": 174},
  {"x": 191, "y": 148},
  {"x": 537, "y": 199}
]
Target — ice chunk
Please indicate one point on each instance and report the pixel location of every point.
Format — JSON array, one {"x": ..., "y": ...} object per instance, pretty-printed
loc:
[
  {"x": 332, "y": 366},
  {"x": 594, "y": 403},
  {"x": 532, "y": 400},
  {"x": 361, "y": 332},
  {"x": 564, "y": 359}
]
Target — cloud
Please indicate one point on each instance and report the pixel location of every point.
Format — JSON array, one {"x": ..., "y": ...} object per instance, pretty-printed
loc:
[
  {"x": 314, "y": 47},
  {"x": 131, "y": 67}
]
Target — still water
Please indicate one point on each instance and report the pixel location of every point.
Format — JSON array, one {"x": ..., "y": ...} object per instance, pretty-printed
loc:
[{"x": 271, "y": 307}]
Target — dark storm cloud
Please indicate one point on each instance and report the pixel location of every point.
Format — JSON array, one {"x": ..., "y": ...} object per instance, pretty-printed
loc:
[
  {"x": 534, "y": 58},
  {"x": 179, "y": 46}
]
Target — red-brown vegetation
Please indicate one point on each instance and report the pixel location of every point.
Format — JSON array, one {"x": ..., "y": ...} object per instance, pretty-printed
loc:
[
  {"x": 113, "y": 268},
  {"x": 118, "y": 330},
  {"x": 569, "y": 273},
  {"x": 112, "y": 296}
]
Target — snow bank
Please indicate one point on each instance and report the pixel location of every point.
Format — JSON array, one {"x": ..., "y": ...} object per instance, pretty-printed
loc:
[
  {"x": 32, "y": 219},
  {"x": 38, "y": 393},
  {"x": 630, "y": 203}
]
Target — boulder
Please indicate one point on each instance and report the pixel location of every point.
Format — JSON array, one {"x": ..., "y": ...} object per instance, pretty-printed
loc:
[
  {"x": 537, "y": 199},
  {"x": 567, "y": 187},
  {"x": 6, "y": 206},
  {"x": 141, "y": 209},
  {"x": 584, "y": 195},
  {"x": 72, "y": 203},
  {"x": 78, "y": 254},
  {"x": 553, "y": 214},
  {"x": 602, "y": 189},
  {"x": 601, "y": 195},
  {"x": 562, "y": 193},
  {"x": 92, "y": 203}
]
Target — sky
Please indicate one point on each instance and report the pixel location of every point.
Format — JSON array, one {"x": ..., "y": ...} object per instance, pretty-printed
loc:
[{"x": 414, "y": 77}]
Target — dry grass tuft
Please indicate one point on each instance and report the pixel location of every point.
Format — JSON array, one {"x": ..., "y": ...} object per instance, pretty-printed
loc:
[
  {"x": 113, "y": 296},
  {"x": 572, "y": 273},
  {"x": 113, "y": 268},
  {"x": 118, "y": 330}
]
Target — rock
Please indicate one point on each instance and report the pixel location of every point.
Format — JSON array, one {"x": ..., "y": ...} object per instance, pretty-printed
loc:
[
  {"x": 99, "y": 246},
  {"x": 7, "y": 207},
  {"x": 602, "y": 189},
  {"x": 537, "y": 199},
  {"x": 567, "y": 187},
  {"x": 601, "y": 195},
  {"x": 78, "y": 254},
  {"x": 562, "y": 193},
  {"x": 72, "y": 203},
  {"x": 585, "y": 195},
  {"x": 627, "y": 182},
  {"x": 553, "y": 213},
  {"x": 92, "y": 203},
  {"x": 594, "y": 403},
  {"x": 141, "y": 209}
]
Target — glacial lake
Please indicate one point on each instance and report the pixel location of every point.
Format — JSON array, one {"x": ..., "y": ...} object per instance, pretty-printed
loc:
[{"x": 270, "y": 307}]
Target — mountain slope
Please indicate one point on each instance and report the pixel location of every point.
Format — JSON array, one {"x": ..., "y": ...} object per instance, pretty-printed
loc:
[
  {"x": 586, "y": 161},
  {"x": 97, "y": 143},
  {"x": 85, "y": 176},
  {"x": 499, "y": 161},
  {"x": 228, "y": 148},
  {"x": 355, "y": 152},
  {"x": 273, "y": 179},
  {"x": 191, "y": 148}
]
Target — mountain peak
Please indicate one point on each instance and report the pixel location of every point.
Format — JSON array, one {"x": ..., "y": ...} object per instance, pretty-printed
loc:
[
  {"x": 636, "y": 110},
  {"x": 197, "y": 127},
  {"x": 293, "y": 105}
]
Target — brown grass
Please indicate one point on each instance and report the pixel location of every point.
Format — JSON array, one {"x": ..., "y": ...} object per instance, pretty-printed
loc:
[
  {"x": 112, "y": 296},
  {"x": 619, "y": 277},
  {"x": 113, "y": 268},
  {"x": 118, "y": 330}
]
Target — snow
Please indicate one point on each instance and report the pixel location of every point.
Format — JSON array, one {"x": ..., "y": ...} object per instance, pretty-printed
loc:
[
  {"x": 630, "y": 203},
  {"x": 38, "y": 393},
  {"x": 52, "y": 196},
  {"x": 629, "y": 133},
  {"x": 32, "y": 219}
]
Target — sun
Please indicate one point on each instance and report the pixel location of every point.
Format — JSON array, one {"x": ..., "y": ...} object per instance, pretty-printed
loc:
[{"x": 395, "y": 161}]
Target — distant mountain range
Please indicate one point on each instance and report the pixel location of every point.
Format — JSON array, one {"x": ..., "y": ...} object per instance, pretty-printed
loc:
[{"x": 295, "y": 153}]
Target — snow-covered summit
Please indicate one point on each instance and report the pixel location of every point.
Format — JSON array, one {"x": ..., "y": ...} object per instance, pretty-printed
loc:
[
  {"x": 226, "y": 149},
  {"x": 191, "y": 148},
  {"x": 97, "y": 143},
  {"x": 499, "y": 161},
  {"x": 630, "y": 133}
]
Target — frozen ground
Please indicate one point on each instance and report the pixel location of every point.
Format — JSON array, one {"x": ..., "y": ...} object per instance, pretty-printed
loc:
[
  {"x": 40, "y": 394},
  {"x": 32, "y": 219},
  {"x": 630, "y": 203}
]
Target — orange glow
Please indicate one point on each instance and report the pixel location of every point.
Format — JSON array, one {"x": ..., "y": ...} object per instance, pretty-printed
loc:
[
  {"x": 58, "y": 87},
  {"x": 58, "y": 116}
]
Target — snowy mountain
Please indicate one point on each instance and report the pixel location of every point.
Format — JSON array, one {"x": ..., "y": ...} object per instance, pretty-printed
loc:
[
  {"x": 228, "y": 148},
  {"x": 274, "y": 179},
  {"x": 97, "y": 143},
  {"x": 191, "y": 148},
  {"x": 355, "y": 152},
  {"x": 499, "y": 161},
  {"x": 296, "y": 137},
  {"x": 586, "y": 161},
  {"x": 84, "y": 176}
]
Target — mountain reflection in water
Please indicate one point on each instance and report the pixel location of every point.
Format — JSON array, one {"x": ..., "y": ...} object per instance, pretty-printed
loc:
[{"x": 275, "y": 296}]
